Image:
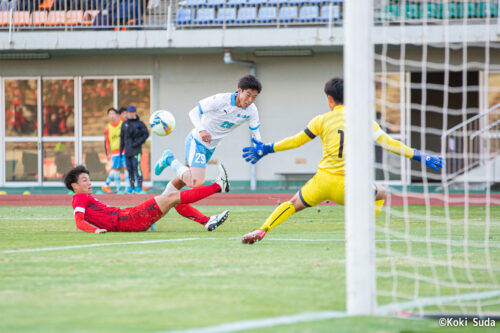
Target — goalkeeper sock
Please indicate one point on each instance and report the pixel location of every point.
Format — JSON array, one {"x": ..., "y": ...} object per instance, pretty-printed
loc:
[
  {"x": 280, "y": 215},
  {"x": 378, "y": 206}
]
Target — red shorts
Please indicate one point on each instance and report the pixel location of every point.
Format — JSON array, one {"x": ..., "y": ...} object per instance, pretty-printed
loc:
[{"x": 140, "y": 217}]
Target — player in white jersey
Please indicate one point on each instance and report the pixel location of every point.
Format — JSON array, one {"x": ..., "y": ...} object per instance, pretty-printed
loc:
[{"x": 213, "y": 118}]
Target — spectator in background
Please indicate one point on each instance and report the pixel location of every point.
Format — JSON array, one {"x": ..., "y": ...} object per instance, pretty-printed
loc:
[
  {"x": 122, "y": 112},
  {"x": 133, "y": 134},
  {"x": 112, "y": 133}
]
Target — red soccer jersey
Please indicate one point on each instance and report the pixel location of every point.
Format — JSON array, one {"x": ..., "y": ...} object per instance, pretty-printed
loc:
[{"x": 95, "y": 212}]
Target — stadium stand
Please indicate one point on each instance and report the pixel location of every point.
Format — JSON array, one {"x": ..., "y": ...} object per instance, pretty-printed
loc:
[
  {"x": 267, "y": 15},
  {"x": 74, "y": 17},
  {"x": 21, "y": 18},
  {"x": 4, "y": 18},
  {"x": 194, "y": 3},
  {"x": 309, "y": 14},
  {"x": 277, "y": 2},
  {"x": 205, "y": 16},
  {"x": 89, "y": 17},
  {"x": 56, "y": 18},
  {"x": 247, "y": 15},
  {"x": 47, "y": 4},
  {"x": 236, "y": 2},
  {"x": 288, "y": 14},
  {"x": 325, "y": 13},
  {"x": 216, "y": 3},
  {"x": 39, "y": 18},
  {"x": 257, "y": 2},
  {"x": 184, "y": 16},
  {"x": 104, "y": 15},
  {"x": 226, "y": 15}
]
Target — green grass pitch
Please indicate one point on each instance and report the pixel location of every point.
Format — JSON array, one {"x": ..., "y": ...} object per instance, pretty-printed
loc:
[{"x": 211, "y": 279}]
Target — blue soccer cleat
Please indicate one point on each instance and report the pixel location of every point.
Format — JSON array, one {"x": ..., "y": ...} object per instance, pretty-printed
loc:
[
  {"x": 152, "y": 227},
  {"x": 166, "y": 159},
  {"x": 130, "y": 190},
  {"x": 139, "y": 190}
]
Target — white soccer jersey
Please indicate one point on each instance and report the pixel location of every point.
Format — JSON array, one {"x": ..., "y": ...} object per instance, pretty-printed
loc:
[{"x": 220, "y": 115}]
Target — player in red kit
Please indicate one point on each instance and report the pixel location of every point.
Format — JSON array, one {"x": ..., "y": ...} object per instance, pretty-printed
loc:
[{"x": 93, "y": 216}]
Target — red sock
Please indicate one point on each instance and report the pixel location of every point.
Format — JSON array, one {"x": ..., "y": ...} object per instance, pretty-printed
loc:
[
  {"x": 191, "y": 213},
  {"x": 198, "y": 193}
]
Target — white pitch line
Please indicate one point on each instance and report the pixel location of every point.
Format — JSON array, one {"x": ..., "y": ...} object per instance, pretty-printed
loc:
[
  {"x": 155, "y": 241},
  {"x": 265, "y": 322},
  {"x": 427, "y": 301},
  {"x": 37, "y": 219},
  {"x": 69, "y": 247}
]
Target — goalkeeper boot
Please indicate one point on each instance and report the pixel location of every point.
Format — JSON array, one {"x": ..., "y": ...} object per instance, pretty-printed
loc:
[
  {"x": 216, "y": 220},
  {"x": 166, "y": 159},
  {"x": 253, "y": 237},
  {"x": 222, "y": 178}
]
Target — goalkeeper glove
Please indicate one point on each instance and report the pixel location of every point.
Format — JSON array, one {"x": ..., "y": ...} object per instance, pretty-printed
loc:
[
  {"x": 433, "y": 162},
  {"x": 254, "y": 154}
]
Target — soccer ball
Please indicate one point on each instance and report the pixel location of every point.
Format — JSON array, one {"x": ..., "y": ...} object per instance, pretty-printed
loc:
[{"x": 162, "y": 122}]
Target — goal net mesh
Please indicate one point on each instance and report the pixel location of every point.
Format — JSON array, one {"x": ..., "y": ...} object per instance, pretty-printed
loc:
[{"x": 437, "y": 89}]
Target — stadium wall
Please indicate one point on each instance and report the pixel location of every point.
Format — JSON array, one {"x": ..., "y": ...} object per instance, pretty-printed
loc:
[{"x": 292, "y": 95}]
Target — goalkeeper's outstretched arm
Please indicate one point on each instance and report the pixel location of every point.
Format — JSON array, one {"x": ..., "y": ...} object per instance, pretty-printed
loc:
[
  {"x": 254, "y": 154},
  {"x": 397, "y": 147}
]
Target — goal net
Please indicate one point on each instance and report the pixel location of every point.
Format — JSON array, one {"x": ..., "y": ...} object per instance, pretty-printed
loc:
[{"x": 437, "y": 89}]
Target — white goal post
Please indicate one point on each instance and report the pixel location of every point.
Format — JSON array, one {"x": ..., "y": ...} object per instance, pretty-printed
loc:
[
  {"x": 359, "y": 99},
  {"x": 429, "y": 72}
]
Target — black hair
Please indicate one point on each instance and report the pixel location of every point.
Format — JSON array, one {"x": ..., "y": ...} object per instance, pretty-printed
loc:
[
  {"x": 250, "y": 82},
  {"x": 72, "y": 176},
  {"x": 335, "y": 88},
  {"x": 112, "y": 109},
  {"x": 121, "y": 110}
]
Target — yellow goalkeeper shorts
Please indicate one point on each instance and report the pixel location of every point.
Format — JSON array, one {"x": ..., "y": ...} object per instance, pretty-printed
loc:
[
  {"x": 325, "y": 186},
  {"x": 321, "y": 187}
]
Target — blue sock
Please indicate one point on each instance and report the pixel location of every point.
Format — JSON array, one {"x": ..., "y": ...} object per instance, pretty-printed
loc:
[
  {"x": 117, "y": 180},
  {"x": 110, "y": 178}
]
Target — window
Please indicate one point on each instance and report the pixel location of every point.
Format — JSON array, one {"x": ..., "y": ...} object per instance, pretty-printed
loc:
[
  {"x": 21, "y": 103},
  {"x": 94, "y": 158},
  {"x": 97, "y": 98},
  {"x": 58, "y": 105},
  {"x": 58, "y": 158},
  {"x": 138, "y": 93},
  {"x": 44, "y": 136},
  {"x": 21, "y": 161}
]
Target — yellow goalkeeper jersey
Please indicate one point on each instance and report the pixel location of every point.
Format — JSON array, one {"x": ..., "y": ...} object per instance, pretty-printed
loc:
[{"x": 330, "y": 127}]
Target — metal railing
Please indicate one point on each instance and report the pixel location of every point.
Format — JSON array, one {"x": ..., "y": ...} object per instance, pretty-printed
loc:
[
  {"x": 197, "y": 14},
  {"x": 471, "y": 144}
]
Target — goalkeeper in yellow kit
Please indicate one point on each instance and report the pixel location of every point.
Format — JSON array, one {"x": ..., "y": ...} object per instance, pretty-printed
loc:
[{"x": 328, "y": 182}]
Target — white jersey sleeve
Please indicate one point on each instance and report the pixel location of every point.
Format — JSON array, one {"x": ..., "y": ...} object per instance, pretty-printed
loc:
[{"x": 254, "y": 123}]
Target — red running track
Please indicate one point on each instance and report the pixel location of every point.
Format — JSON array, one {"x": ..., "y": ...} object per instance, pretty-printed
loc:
[{"x": 242, "y": 199}]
